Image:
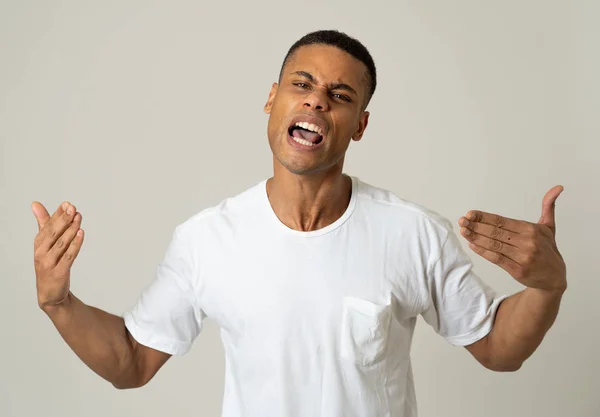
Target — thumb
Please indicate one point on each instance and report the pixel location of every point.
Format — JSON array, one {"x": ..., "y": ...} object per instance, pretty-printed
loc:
[
  {"x": 40, "y": 213},
  {"x": 548, "y": 207}
]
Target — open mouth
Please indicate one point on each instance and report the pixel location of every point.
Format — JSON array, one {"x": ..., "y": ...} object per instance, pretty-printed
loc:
[{"x": 306, "y": 134}]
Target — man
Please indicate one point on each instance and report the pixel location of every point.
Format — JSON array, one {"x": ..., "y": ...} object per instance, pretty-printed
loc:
[{"x": 315, "y": 277}]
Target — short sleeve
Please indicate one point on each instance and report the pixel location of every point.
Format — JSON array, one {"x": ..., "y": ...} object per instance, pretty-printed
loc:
[
  {"x": 461, "y": 307},
  {"x": 165, "y": 316}
]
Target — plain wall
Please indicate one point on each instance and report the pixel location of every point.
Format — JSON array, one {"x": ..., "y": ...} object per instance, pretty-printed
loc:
[{"x": 142, "y": 113}]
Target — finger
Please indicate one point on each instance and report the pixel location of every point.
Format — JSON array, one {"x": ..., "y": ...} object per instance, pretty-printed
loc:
[
  {"x": 548, "y": 207},
  {"x": 513, "y": 253},
  {"x": 516, "y": 226},
  {"x": 68, "y": 258},
  {"x": 62, "y": 243},
  {"x": 493, "y": 232},
  {"x": 55, "y": 227},
  {"x": 40, "y": 213},
  {"x": 44, "y": 222},
  {"x": 502, "y": 261}
]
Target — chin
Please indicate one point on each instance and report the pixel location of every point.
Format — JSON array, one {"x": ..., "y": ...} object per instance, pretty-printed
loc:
[
  {"x": 300, "y": 169},
  {"x": 295, "y": 166},
  {"x": 295, "y": 163}
]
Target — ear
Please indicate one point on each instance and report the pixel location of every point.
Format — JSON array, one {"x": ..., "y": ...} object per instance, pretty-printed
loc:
[
  {"x": 272, "y": 94},
  {"x": 362, "y": 125}
]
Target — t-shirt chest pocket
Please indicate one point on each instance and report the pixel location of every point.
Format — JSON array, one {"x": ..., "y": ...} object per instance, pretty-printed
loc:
[{"x": 364, "y": 330}]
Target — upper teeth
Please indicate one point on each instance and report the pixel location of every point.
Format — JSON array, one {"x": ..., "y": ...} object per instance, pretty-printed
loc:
[{"x": 310, "y": 126}]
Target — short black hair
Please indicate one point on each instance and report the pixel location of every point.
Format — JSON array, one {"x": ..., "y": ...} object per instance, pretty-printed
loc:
[{"x": 345, "y": 43}]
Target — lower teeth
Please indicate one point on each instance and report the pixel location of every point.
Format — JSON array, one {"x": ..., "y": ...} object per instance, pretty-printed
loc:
[{"x": 302, "y": 141}]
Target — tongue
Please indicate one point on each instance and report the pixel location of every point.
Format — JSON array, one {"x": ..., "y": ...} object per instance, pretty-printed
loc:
[{"x": 306, "y": 135}]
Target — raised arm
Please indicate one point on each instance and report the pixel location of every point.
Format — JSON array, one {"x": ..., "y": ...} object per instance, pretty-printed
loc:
[
  {"x": 99, "y": 339},
  {"x": 528, "y": 252}
]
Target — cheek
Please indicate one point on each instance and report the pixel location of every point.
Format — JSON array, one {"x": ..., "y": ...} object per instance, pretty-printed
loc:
[
  {"x": 275, "y": 127},
  {"x": 345, "y": 127},
  {"x": 279, "y": 119}
]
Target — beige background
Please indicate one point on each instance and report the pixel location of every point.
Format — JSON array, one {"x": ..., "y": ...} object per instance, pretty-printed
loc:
[{"x": 142, "y": 113}]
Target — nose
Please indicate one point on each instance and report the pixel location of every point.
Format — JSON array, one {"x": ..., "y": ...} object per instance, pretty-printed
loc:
[{"x": 316, "y": 100}]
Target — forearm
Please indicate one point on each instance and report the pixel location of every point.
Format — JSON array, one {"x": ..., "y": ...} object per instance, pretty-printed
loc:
[
  {"x": 99, "y": 339},
  {"x": 521, "y": 323}
]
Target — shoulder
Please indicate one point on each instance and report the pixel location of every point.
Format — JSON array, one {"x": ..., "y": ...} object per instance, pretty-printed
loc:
[
  {"x": 402, "y": 211},
  {"x": 222, "y": 216}
]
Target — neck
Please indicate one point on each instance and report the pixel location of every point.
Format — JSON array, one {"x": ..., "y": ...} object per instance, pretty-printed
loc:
[{"x": 309, "y": 202}]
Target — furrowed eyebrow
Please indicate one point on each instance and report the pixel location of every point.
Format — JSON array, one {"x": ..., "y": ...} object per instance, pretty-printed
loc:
[{"x": 336, "y": 86}]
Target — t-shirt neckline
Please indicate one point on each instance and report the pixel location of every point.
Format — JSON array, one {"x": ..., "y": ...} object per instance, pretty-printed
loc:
[{"x": 312, "y": 233}]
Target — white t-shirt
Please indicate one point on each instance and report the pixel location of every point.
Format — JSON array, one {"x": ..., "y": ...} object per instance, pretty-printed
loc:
[{"x": 315, "y": 323}]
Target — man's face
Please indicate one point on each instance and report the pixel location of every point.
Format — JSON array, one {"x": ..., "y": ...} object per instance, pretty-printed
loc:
[{"x": 322, "y": 88}]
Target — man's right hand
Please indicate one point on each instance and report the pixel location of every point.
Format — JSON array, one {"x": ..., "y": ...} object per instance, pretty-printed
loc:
[
  {"x": 55, "y": 248},
  {"x": 100, "y": 339}
]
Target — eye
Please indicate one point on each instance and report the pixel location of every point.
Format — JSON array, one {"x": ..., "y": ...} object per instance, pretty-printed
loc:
[
  {"x": 342, "y": 97},
  {"x": 301, "y": 85}
]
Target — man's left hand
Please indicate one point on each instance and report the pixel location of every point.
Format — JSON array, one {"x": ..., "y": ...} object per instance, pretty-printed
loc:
[{"x": 527, "y": 251}]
